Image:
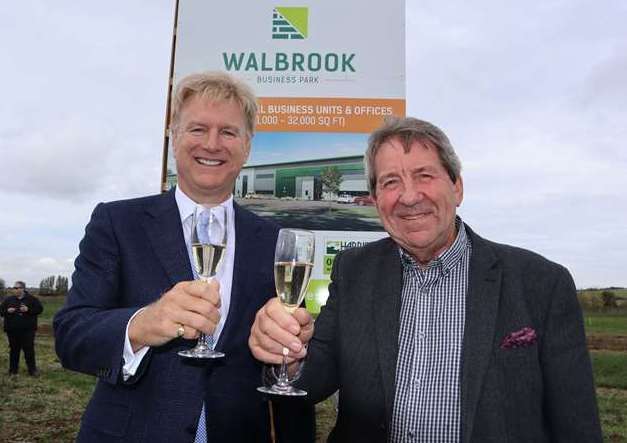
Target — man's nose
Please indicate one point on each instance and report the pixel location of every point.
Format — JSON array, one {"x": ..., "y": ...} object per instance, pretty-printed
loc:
[
  {"x": 410, "y": 194},
  {"x": 211, "y": 142}
]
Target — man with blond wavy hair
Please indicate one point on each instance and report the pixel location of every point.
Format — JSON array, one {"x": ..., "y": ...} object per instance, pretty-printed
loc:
[{"x": 134, "y": 302}]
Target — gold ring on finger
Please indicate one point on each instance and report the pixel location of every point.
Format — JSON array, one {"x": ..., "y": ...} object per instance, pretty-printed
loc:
[{"x": 180, "y": 331}]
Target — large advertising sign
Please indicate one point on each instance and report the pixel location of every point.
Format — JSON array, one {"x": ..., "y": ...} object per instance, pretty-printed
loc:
[{"x": 326, "y": 75}]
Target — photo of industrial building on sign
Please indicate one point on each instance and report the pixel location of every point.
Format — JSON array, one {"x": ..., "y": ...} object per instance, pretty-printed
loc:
[
  {"x": 323, "y": 194},
  {"x": 323, "y": 179}
]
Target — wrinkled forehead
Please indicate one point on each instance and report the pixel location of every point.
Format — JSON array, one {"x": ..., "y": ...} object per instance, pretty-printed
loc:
[
  {"x": 395, "y": 157},
  {"x": 397, "y": 147}
]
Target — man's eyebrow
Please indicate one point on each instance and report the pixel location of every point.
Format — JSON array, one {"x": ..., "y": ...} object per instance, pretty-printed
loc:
[
  {"x": 195, "y": 123},
  {"x": 220, "y": 125},
  {"x": 424, "y": 168},
  {"x": 240, "y": 130},
  {"x": 387, "y": 175}
]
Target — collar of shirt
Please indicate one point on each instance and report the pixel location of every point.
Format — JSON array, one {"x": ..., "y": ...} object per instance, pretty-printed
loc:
[
  {"x": 186, "y": 208},
  {"x": 447, "y": 259}
]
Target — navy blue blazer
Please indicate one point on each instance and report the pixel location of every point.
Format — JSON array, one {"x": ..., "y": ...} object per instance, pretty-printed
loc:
[{"x": 132, "y": 252}]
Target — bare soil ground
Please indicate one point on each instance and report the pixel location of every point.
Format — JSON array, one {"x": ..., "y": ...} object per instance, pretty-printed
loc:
[{"x": 607, "y": 342}]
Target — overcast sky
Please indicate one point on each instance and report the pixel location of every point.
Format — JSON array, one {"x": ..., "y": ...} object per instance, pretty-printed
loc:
[{"x": 533, "y": 96}]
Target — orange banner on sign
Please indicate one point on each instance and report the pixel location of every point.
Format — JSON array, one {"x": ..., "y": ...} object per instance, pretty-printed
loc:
[{"x": 295, "y": 114}]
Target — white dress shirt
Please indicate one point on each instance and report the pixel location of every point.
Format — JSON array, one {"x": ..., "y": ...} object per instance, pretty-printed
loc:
[{"x": 224, "y": 275}]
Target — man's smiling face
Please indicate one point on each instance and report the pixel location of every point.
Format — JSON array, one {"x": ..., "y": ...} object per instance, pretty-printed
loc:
[
  {"x": 210, "y": 146},
  {"x": 416, "y": 199}
]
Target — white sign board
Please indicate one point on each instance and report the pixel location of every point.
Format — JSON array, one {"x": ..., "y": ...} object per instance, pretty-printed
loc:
[{"x": 326, "y": 74}]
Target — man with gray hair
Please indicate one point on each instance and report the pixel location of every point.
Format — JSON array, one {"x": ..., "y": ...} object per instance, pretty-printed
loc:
[
  {"x": 134, "y": 302},
  {"x": 436, "y": 334}
]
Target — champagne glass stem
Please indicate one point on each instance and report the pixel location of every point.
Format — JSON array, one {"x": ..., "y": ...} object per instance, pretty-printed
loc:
[
  {"x": 283, "y": 378},
  {"x": 205, "y": 341}
]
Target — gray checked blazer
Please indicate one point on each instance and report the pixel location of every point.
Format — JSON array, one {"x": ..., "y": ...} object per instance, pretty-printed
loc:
[{"x": 543, "y": 392}]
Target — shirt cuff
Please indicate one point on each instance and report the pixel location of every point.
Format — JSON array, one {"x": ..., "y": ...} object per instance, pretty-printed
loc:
[{"x": 132, "y": 360}]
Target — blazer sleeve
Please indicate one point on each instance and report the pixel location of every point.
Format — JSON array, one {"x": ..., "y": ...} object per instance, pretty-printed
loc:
[
  {"x": 90, "y": 328},
  {"x": 36, "y": 306},
  {"x": 570, "y": 397}
]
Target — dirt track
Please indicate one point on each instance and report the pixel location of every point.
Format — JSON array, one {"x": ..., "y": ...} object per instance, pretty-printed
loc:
[
  {"x": 607, "y": 342},
  {"x": 595, "y": 342}
]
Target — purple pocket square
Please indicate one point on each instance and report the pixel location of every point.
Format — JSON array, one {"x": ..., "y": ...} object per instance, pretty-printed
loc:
[{"x": 520, "y": 339}]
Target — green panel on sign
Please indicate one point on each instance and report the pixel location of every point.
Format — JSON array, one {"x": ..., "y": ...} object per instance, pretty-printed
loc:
[
  {"x": 316, "y": 170},
  {"x": 317, "y": 294},
  {"x": 328, "y": 264},
  {"x": 286, "y": 178},
  {"x": 297, "y": 16}
]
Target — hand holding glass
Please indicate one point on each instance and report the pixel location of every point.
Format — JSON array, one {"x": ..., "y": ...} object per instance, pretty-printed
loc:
[
  {"x": 209, "y": 235},
  {"x": 293, "y": 260}
]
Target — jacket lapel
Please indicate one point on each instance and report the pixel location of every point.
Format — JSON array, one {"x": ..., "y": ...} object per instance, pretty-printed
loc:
[
  {"x": 482, "y": 302},
  {"x": 165, "y": 234},
  {"x": 386, "y": 305}
]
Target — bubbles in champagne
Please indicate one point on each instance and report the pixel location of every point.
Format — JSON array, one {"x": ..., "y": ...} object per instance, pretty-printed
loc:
[
  {"x": 291, "y": 280},
  {"x": 207, "y": 258}
]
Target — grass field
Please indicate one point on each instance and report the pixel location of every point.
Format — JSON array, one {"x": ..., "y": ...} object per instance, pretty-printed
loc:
[
  {"x": 613, "y": 412},
  {"x": 610, "y": 369},
  {"x": 51, "y": 306},
  {"x": 53, "y": 403},
  {"x": 606, "y": 323}
]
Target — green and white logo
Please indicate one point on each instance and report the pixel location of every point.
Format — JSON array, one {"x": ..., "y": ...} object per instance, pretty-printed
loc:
[
  {"x": 290, "y": 23},
  {"x": 334, "y": 247}
]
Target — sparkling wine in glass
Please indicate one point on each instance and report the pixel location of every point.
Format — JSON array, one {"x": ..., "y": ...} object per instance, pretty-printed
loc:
[
  {"x": 209, "y": 235},
  {"x": 293, "y": 261}
]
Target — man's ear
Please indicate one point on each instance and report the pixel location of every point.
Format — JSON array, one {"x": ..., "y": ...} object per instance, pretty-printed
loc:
[
  {"x": 174, "y": 136},
  {"x": 459, "y": 191}
]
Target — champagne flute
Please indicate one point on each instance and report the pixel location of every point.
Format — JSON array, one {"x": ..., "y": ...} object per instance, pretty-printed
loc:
[
  {"x": 208, "y": 239},
  {"x": 293, "y": 261}
]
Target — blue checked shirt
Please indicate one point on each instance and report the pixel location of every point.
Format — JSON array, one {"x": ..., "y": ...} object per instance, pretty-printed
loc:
[{"x": 433, "y": 306}]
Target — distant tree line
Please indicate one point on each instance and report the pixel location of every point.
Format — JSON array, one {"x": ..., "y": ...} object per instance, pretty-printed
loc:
[
  {"x": 610, "y": 288},
  {"x": 609, "y": 299},
  {"x": 52, "y": 285},
  {"x": 606, "y": 299}
]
